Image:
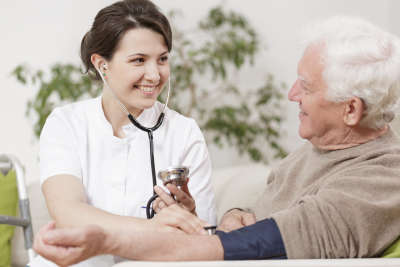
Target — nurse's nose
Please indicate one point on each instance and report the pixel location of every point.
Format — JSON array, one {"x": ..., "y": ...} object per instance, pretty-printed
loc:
[{"x": 152, "y": 74}]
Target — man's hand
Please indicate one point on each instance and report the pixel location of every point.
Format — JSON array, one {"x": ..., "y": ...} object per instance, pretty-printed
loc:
[
  {"x": 175, "y": 219},
  {"x": 183, "y": 195},
  {"x": 69, "y": 246},
  {"x": 235, "y": 219}
]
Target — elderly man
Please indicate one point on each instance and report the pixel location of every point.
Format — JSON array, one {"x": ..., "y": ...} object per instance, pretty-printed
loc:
[{"x": 337, "y": 196}]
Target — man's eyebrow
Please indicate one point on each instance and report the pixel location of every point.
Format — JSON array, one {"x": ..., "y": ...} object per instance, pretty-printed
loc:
[
  {"x": 145, "y": 55},
  {"x": 303, "y": 79}
]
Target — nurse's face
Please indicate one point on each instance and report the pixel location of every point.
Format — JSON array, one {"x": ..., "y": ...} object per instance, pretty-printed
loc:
[{"x": 139, "y": 69}]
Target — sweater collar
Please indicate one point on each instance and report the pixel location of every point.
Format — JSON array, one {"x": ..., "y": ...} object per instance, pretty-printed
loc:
[{"x": 384, "y": 139}]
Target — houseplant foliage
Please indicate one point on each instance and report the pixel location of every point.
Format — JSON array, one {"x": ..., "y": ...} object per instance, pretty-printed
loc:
[
  {"x": 66, "y": 85},
  {"x": 201, "y": 74}
]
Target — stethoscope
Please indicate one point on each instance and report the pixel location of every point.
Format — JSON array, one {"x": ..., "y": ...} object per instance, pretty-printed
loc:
[{"x": 150, "y": 134}]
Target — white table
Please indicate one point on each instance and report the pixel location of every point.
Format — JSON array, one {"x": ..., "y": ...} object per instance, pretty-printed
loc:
[{"x": 280, "y": 263}]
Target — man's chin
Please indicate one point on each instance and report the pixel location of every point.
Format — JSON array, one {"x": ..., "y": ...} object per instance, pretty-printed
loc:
[{"x": 304, "y": 133}]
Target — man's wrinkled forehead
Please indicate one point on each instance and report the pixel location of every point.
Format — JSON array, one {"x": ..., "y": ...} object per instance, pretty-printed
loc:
[{"x": 309, "y": 69}]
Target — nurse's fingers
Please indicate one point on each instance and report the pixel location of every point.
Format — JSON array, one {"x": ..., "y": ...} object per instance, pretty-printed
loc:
[
  {"x": 169, "y": 220},
  {"x": 189, "y": 217},
  {"x": 69, "y": 246},
  {"x": 186, "y": 200},
  {"x": 181, "y": 216},
  {"x": 158, "y": 205},
  {"x": 38, "y": 244},
  {"x": 174, "y": 230},
  {"x": 185, "y": 188},
  {"x": 47, "y": 227},
  {"x": 180, "y": 223},
  {"x": 51, "y": 252},
  {"x": 168, "y": 200}
]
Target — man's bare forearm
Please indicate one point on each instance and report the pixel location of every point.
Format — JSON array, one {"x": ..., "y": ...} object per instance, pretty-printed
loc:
[{"x": 163, "y": 246}]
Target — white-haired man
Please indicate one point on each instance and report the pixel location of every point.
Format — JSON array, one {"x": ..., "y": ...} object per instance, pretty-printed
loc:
[{"x": 337, "y": 196}]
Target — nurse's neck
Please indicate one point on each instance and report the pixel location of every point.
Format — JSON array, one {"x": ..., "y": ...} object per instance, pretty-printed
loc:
[{"x": 115, "y": 115}]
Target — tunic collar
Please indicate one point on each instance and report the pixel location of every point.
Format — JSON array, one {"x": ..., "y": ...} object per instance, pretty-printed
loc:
[{"x": 147, "y": 118}]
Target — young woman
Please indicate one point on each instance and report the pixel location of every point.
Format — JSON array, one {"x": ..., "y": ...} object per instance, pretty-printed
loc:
[{"x": 95, "y": 165}]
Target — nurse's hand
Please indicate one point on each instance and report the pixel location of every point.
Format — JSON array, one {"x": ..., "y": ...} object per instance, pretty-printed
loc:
[
  {"x": 69, "y": 246},
  {"x": 175, "y": 219},
  {"x": 235, "y": 219},
  {"x": 186, "y": 201}
]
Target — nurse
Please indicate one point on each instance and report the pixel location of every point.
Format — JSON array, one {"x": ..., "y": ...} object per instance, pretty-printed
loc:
[{"x": 95, "y": 165}]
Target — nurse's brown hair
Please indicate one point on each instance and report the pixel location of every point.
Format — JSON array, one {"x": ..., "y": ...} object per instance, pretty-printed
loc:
[{"x": 112, "y": 22}]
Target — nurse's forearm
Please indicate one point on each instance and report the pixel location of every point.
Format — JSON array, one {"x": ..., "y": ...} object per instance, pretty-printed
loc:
[
  {"x": 73, "y": 214},
  {"x": 163, "y": 246},
  {"x": 66, "y": 202}
]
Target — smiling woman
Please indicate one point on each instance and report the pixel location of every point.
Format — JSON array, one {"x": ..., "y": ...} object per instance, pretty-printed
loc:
[
  {"x": 95, "y": 165},
  {"x": 137, "y": 74}
]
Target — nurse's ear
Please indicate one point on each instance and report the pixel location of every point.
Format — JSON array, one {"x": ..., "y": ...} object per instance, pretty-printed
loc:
[{"x": 98, "y": 61}]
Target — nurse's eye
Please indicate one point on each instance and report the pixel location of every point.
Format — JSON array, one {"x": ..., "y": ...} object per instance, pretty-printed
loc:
[
  {"x": 164, "y": 59},
  {"x": 138, "y": 60}
]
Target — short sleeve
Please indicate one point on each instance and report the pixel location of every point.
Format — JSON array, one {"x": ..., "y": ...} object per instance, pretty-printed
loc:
[
  {"x": 58, "y": 154},
  {"x": 195, "y": 156}
]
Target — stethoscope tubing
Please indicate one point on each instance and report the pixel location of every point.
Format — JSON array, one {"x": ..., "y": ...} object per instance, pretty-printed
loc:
[{"x": 150, "y": 134}]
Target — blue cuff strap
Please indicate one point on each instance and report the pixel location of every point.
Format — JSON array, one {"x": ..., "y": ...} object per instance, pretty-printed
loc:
[{"x": 261, "y": 240}]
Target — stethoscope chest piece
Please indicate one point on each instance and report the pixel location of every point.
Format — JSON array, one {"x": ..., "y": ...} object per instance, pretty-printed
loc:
[
  {"x": 176, "y": 175},
  {"x": 211, "y": 230}
]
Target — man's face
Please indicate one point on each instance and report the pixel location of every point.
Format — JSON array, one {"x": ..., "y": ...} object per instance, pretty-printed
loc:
[{"x": 320, "y": 119}]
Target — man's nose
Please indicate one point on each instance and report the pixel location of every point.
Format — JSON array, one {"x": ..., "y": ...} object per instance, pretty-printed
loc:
[
  {"x": 152, "y": 74},
  {"x": 295, "y": 92}
]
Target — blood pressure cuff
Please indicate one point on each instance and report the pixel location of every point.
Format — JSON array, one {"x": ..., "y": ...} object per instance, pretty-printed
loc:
[{"x": 258, "y": 241}]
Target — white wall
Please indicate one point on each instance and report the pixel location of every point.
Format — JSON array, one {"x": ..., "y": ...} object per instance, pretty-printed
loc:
[{"x": 44, "y": 32}]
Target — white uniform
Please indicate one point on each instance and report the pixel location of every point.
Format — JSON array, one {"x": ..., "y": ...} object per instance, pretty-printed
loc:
[{"x": 78, "y": 140}]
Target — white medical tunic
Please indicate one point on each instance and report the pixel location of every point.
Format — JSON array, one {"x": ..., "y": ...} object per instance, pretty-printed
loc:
[{"x": 78, "y": 140}]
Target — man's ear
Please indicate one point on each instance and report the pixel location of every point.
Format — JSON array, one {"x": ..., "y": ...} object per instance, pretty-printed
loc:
[
  {"x": 97, "y": 60},
  {"x": 353, "y": 111}
]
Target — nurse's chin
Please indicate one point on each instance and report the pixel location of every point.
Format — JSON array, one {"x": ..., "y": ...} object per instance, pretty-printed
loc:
[{"x": 146, "y": 104}]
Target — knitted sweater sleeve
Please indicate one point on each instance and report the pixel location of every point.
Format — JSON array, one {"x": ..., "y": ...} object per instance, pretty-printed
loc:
[{"x": 353, "y": 215}]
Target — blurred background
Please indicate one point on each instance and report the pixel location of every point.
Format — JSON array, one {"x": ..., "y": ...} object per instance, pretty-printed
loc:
[{"x": 42, "y": 33}]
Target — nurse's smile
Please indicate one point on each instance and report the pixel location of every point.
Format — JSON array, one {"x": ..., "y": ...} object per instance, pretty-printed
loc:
[{"x": 147, "y": 89}]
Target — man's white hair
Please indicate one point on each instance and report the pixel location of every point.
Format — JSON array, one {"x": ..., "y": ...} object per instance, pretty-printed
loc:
[{"x": 359, "y": 60}]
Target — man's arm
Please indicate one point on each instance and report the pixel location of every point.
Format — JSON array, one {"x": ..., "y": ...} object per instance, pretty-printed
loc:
[
  {"x": 164, "y": 247},
  {"x": 69, "y": 246}
]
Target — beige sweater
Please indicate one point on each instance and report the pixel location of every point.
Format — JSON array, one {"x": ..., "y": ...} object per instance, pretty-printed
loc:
[{"x": 336, "y": 204}]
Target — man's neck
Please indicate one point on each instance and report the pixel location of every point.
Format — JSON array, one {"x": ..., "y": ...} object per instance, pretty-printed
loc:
[{"x": 351, "y": 137}]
